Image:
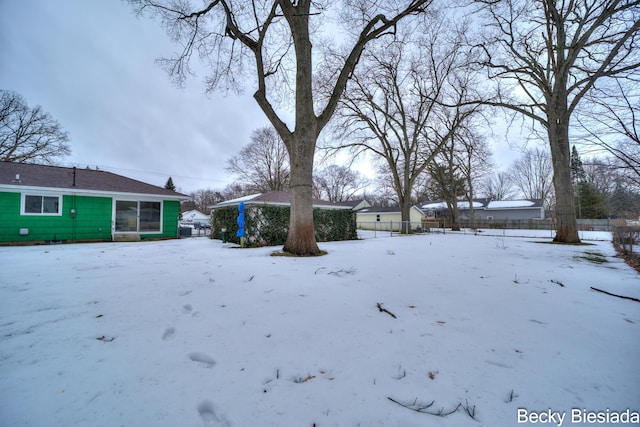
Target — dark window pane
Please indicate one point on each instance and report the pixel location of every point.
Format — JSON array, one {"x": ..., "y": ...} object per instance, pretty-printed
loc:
[
  {"x": 149, "y": 216},
  {"x": 50, "y": 205},
  {"x": 126, "y": 215},
  {"x": 33, "y": 204}
]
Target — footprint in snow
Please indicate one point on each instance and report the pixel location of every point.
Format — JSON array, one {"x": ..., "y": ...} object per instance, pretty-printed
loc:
[
  {"x": 209, "y": 416},
  {"x": 186, "y": 309},
  {"x": 203, "y": 359},
  {"x": 168, "y": 334}
]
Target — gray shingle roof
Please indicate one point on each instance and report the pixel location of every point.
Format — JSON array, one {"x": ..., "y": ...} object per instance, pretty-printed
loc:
[{"x": 77, "y": 179}]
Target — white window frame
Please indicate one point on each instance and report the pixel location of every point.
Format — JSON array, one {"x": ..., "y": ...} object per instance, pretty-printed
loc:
[{"x": 23, "y": 204}]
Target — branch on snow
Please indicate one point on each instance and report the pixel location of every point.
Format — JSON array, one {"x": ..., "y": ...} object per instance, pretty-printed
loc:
[
  {"x": 426, "y": 408},
  {"x": 615, "y": 295},
  {"x": 379, "y": 305}
]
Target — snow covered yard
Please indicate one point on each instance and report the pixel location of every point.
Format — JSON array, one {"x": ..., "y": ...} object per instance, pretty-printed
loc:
[{"x": 192, "y": 332}]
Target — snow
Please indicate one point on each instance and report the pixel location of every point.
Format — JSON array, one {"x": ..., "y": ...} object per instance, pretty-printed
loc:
[
  {"x": 443, "y": 205},
  {"x": 195, "y": 332},
  {"x": 238, "y": 200},
  {"x": 502, "y": 204},
  {"x": 189, "y": 217}
]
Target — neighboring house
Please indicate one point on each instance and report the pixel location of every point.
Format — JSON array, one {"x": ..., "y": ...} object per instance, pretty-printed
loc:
[
  {"x": 514, "y": 209},
  {"x": 490, "y": 210},
  {"x": 387, "y": 218},
  {"x": 194, "y": 216},
  {"x": 40, "y": 203}
]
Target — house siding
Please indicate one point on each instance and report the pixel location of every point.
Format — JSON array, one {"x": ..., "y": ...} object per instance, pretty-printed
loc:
[
  {"x": 92, "y": 220},
  {"x": 522, "y": 213},
  {"x": 389, "y": 221}
]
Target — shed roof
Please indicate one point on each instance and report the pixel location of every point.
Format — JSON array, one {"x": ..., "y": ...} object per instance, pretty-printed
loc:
[{"x": 27, "y": 175}]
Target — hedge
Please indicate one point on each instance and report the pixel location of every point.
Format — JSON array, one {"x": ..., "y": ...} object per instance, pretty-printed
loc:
[{"x": 268, "y": 225}]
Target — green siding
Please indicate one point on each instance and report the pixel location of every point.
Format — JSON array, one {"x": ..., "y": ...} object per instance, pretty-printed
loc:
[{"x": 92, "y": 220}]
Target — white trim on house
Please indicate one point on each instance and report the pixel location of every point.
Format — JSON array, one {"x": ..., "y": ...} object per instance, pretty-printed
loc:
[
  {"x": 114, "y": 201},
  {"x": 35, "y": 193},
  {"x": 87, "y": 193}
]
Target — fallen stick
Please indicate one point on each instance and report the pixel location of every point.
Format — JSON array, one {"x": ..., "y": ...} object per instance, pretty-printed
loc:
[
  {"x": 615, "y": 295},
  {"x": 386, "y": 311}
]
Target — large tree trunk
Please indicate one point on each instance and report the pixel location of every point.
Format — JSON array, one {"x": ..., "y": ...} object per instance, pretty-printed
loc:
[
  {"x": 405, "y": 201},
  {"x": 405, "y": 215},
  {"x": 566, "y": 226},
  {"x": 301, "y": 238},
  {"x": 455, "y": 217}
]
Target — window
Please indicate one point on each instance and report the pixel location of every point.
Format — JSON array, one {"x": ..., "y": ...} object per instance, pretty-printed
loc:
[
  {"x": 41, "y": 205},
  {"x": 135, "y": 216},
  {"x": 149, "y": 216}
]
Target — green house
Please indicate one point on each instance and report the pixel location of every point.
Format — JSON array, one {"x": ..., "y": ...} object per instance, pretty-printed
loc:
[{"x": 43, "y": 204}]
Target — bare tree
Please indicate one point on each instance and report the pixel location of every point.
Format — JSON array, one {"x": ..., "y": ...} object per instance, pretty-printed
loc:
[
  {"x": 274, "y": 38},
  {"x": 263, "y": 164},
  {"x": 546, "y": 56},
  {"x": 498, "y": 186},
  {"x": 612, "y": 124},
  {"x": 207, "y": 197},
  {"x": 29, "y": 135},
  {"x": 448, "y": 183},
  {"x": 474, "y": 159},
  {"x": 532, "y": 173},
  {"x": 393, "y": 105},
  {"x": 337, "y": 183}
]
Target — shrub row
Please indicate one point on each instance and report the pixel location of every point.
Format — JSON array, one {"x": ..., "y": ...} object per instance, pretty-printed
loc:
[{"x": 269, "y": 225}]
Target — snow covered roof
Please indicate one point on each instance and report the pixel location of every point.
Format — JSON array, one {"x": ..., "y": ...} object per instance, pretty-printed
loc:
[
  {"x": 496, "y": 204},
  {"x": 443, "y": 205},
  {"x": 513, "y": 204},
  {"x": 279, "y": 198},
  {"x": 194, "y": 215}
]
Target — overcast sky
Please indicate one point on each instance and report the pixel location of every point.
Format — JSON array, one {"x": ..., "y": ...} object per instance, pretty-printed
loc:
[{"x": 90, "y": 64}]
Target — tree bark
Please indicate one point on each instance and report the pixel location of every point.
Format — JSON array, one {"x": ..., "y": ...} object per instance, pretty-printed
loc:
[
  {"x": 301, "y": 238},
  {"x": 565, "y": 213},
  {"x": 301, "y": 145}
]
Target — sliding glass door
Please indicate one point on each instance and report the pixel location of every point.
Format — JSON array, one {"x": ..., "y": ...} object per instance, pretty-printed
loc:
[{"x": 138, "y": 216}]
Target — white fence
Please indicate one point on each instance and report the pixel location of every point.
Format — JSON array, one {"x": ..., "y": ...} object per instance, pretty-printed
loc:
[{"x": 403, "y": 227}]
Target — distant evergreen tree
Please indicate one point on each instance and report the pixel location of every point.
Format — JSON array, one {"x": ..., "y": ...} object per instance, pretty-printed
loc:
[
  {"x": 590, "y": 203},
  {"x": 578, "y": 174},
  {"x": 169, "y": 185}
]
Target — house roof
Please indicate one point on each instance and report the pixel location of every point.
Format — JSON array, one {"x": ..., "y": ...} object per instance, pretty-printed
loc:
[
  {"x": 384, "y": 209},
  {"x": 355, "y": 203},
  {"x": 488, "y": 204},
  {"x": 24, "y": 175},
  {"x": 194, "y": 215},
  {"x": 281, "y": 198},
  {"x": 443, "y": 205},
  {"x": 515, "y": 204}
]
